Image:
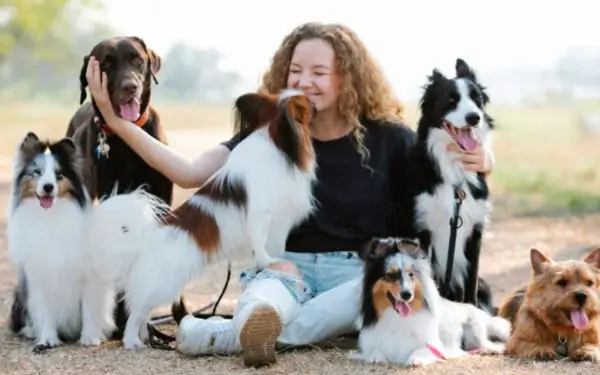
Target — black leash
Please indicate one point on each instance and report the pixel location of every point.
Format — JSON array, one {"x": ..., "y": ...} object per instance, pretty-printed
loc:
[
  {"x": 455, "y": 223},
  {"x": 160, "y": 340}
]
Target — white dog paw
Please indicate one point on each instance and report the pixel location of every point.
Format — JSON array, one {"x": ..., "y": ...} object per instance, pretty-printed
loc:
[
  {"x": 422, "y": 361},
  {"x": 42, "y": 345},
  {"x": 133, "y": 343},
  {"x": 90, "y": 340}
]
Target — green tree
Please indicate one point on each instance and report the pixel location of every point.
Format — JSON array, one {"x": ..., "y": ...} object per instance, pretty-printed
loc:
[{"x": 29, "y": 24}]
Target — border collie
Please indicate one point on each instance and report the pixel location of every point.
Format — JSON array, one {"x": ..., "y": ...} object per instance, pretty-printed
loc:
[
  {"x": 263, "y": 191},
  {"x": 46, "y": 223},
  {"x": 403, "y": 318},
  {"x": 452, "y": 111}
]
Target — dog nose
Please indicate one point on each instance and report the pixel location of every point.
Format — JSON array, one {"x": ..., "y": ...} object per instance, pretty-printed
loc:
[
  {"x": 473, "y": 118},
  {"x": 405, "y": 295},
  {"x": 48, "y": 188},
  {"x": 129, "y": 87},
  {"x": 580, "y": 297}
]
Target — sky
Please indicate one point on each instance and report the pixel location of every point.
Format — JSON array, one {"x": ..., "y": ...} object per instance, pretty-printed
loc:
[{"x": 408, "y": 38}]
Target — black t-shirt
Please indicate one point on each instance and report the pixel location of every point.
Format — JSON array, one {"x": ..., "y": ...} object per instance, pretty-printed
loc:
[{"x": 355, "y": 202}]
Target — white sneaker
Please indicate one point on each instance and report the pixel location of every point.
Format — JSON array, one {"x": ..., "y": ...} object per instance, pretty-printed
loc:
[{"x": 215, "y": 335}]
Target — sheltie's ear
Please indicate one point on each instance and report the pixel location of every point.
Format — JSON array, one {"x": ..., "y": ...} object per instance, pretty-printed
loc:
[
  {"x": 377, "y": 248},
  {"x": 410, "y": 246}
]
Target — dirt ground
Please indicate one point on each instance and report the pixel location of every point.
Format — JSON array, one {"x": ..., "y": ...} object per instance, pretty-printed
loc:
[{"x": 504, "y": 264}]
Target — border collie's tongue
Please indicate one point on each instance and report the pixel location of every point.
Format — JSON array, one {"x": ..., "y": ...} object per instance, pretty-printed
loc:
[
  {"x": 46, "y": 202},
  {"x": 402, "y": 308},
  {"x": 130, "y": 111},
  {"x": 579, "y": 319},
  {"x": 464, "y": 136}
]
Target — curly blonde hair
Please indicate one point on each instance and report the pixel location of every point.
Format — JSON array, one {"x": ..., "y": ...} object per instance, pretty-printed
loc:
[{"x": 364, "y": 91}]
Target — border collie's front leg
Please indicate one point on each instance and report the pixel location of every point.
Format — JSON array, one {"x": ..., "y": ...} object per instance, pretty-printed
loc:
[{"x": 472, "y": 251}]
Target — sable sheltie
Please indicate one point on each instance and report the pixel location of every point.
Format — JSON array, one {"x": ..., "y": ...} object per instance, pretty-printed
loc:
[
  {"x": 405, "y": 321},
  {"x": 453, "y": 111},
  {"x": 46, "y": 224},
  {"x": 250, "y": 204}
]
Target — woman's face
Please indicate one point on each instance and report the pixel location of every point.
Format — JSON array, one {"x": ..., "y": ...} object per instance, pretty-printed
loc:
[{"x": 312, "y": 70}]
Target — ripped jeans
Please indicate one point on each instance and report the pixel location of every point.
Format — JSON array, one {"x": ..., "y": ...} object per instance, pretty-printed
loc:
[{"x": 323, "y": 305}]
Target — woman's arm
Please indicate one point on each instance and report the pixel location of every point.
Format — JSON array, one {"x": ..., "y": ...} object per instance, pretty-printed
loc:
[{"x": 176, "y": 167}]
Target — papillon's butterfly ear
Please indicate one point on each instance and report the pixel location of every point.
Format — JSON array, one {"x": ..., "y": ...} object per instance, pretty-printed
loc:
[
  {"x": 298, "y": 108},
  {"x": 254, "y": 110},
  {"x": 377, "y": 248}
]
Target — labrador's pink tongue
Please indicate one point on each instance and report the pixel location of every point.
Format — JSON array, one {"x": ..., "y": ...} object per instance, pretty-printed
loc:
[
  {"x": 46, "y": 202},
  {"x": 579, "y": 319},
  {"x": 466, "y": 137},
  {"x": 130, "y": 111},
  {"x": 402, "y": 308}
]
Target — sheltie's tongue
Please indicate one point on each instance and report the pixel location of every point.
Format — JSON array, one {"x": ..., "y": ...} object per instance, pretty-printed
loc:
[
  {"x": 46, "y": 201},
  {"x": 465, "y": 137},
  {"x": 579, "y": 319},
  {"x": 402, "y": 308},
  {"x": 130, "y": 111}
]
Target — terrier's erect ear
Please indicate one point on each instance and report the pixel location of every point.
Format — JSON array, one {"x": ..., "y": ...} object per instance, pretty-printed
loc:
[
  {"x": 593, "y": 258},
  {"x": 539, "y": 261}
]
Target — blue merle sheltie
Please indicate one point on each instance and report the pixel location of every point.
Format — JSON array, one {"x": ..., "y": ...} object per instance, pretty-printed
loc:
[
  {"x": 54, "y": 299},
  {"x": 451, "y": 201}
]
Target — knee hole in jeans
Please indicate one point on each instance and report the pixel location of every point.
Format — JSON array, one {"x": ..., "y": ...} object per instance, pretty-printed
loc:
[{"x": 289, "y": 268}]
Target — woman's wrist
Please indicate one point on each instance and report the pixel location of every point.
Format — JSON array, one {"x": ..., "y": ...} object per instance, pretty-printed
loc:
[{"x": 489, "y": 162}]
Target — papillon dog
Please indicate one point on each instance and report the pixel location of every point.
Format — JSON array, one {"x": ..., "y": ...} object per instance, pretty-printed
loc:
[
  {"x": 405, "y": 321},
  {"x": 250, "y": 204},
  {"x": 46, "y": 222}
]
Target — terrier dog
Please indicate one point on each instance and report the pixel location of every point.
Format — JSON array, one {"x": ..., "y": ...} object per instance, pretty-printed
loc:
[
  {"x": 557, "y": 315},
  {"x": 404, "y": 319}
]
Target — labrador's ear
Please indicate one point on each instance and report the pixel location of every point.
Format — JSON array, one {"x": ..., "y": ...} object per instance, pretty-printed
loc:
[{"x": 83, "y": 80}]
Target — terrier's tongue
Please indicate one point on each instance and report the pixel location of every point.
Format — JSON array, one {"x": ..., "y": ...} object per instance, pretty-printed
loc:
[
  {"x": 130, "y": 111},
  {"x": 466, "y": 138},
  {"x": 579, "y": 319},
  {"x": 402, "y": 308},
  {"x": 46, "y": 202}
]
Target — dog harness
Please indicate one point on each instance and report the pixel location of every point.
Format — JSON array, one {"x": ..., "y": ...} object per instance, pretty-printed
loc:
[{"x": 103, "y": 147}]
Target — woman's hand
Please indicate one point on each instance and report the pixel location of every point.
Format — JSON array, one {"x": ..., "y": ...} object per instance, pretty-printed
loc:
[
  {"x": 97, "y": 83},
  {"x": 477, "y": 160}
]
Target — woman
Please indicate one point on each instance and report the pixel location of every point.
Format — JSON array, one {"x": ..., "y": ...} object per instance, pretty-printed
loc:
[{"x": 361, "y": 146}]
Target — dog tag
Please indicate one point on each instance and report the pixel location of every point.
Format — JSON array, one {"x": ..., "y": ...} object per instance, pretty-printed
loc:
[
  {"x": 103, "y": 147},
  {"x": 562, "y": 349}
]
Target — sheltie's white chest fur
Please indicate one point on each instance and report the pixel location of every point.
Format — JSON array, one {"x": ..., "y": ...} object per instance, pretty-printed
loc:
[
  {"x": 47, "y": 246},
  {"x": 434, "y": 211},
  {"x": 400, "y": 340}
]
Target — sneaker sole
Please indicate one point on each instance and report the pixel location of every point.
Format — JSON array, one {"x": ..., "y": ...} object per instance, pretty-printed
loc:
[{"x": 259, "y": 335}]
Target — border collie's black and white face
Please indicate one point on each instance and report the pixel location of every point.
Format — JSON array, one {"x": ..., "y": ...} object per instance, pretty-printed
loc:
[
  {"x": 47, "y": 172},
  {"x": 456, "y": 105}
]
